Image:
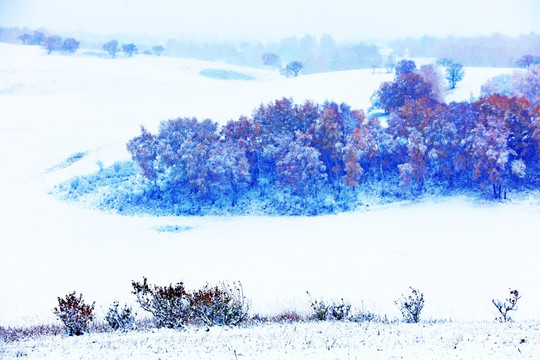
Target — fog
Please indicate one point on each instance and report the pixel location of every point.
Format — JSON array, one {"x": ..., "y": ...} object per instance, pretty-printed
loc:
[{"x": 272, "y": 20}]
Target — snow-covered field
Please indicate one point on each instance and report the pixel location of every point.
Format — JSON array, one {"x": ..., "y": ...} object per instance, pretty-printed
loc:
[
  {"x": 461, "y": 254},
  {"x": 298, "y": 341}
]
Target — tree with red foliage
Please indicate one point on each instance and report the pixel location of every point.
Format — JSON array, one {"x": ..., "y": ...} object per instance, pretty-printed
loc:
[
  {"x": 143, "y": 150},
  {"x": 503, "y": 141},
  {"x": 392, "y": 95},
  {"x": 283, "y": 116},
  {"x": 328, "y": 139},
  {"x": 246, "y": 135}
]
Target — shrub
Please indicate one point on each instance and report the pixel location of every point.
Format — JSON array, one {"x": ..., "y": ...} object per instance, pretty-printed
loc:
[
  {"x": 219, "y": 305},
  {"x": 510, "y": 304},
  {"x": 120, "y": 319},
  {"x": 411, "y": 306},
  {"x": 170, "y": 305},
  {"x": 323, "y": 310},
  {"x": 74, "y": 313},
  {"x": 288, "y": 316}
]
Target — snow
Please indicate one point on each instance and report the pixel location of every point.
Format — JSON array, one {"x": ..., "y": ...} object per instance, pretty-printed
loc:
[
  {"x": 297, "y": 341},
  {"x": 459, "y": 253}
]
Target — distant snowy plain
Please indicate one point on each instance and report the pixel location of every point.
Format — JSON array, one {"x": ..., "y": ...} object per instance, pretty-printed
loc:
[{"x": 460, "y": 253}]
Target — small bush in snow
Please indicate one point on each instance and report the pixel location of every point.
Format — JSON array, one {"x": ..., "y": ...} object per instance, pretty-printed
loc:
[
  {"x": 324, "y": 310},
  {"x": 411, "y": 306},
  {"x": 74, "y": 313},
  {"x": 170, "y": 305},
  {"x": 120, "y": 319},
  {"x": 510, "y": 304},
  {"x": 219, "y": 305}
]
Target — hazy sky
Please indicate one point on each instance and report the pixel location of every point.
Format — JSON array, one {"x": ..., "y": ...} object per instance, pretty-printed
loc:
[{"x": 274, "y": 19}]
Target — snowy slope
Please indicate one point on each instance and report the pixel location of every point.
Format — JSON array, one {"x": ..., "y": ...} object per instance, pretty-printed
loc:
[{"x": 460, "y": 254}]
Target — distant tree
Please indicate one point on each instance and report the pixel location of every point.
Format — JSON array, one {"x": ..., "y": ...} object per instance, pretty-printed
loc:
[
  {"x": 70, "y": 45},
  {"x": 129, "y": 49},
  {"x": 295, "y": 67},
  {"x": 158, "y": 49},
  {"x": 37, "y": 38},
  {"x": 454, "y": 74},
  {"x": 25, "y": 38},
  {"x": 111, "y": 47},
  {"x": 405, "y": 67},
  {"x": 444, "y": 62},
  {"x": 527, "y": 60},
  {"x": 390, "y": 63},
  {"x": 52, "y": 43},
  {"x": 271, "y": 59}
]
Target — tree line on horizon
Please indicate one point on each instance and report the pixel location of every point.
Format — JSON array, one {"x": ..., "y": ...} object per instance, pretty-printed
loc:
[{"x": 325, "y": 54}]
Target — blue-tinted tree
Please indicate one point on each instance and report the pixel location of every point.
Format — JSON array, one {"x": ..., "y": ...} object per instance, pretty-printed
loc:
[
  {"x": 294, "y": 67},
  {"x": 404, "y": 67},
  {"x": 129, "y": 49},
  {"x": 271, "y": 59},
  {"x": 158, "y": 49},
  {"x": 37, "y": 38},
  {"x": 70, "y": 45},
  {"x": 52, "y": 43},
  {"x": 301, "y": 168},
  {"x": 25, "y": 38},
  {"x": 454, "y": 74},
  {"x": 111, "y": 47}
]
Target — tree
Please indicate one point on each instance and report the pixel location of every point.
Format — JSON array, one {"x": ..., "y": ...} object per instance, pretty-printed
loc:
[
  {"x": 129, "y": 49},
  {"x": 454, "y": 74},
  {"x": 527, "y": 84},
  {"x": 271, "y": 59},
  {"x": 37, "y": 38},
  {"x": 527, "y": 60},
  {"x": 510, "y": 304},
  {"x": 432, "y": 76},
  {"x": 25, "y": 38},
  {"x": 406, "y": 86},
  {"x": 405, "y": 67},
  {"x": 158, "y": 49},
  {"x": 390, "y": 63},
  {"x": 52, "y": 43},
  {"x": 295, "y": 67},
  {"x": 111, "y": 47},
  {"x": 300, "y": 167},
  {"x": 70, "y": 45}
]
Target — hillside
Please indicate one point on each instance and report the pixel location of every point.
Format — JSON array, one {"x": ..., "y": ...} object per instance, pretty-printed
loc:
[{"x": 55, "y": 107}]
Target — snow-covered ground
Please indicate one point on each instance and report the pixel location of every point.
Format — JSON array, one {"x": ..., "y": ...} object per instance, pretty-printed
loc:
[
  {"x": 297, "y": 341},
  {"x": 459, "y": 253}
]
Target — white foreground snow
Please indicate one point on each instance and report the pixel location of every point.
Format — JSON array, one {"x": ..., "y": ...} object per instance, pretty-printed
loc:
[
  {"x": 460, "y": 254},
  {"x": 297, "y": 341}
]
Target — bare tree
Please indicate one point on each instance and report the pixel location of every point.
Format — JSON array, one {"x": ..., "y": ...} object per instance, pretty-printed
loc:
[
  {"x": 454, "y": 74},
  {"x": 510, "y": 304}
]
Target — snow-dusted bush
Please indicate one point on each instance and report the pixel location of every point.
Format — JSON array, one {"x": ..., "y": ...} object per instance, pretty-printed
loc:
[
  {"x": 324, "y": 310},
  {"x": 74, "y": 313},
  {"x": 170, "y": 305},
  {"x": 220, "y": 305},
  {"x": 120, "y": 319},
  {"x": 510, "y": 304},
  {"x": 411, "y": 306}
]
